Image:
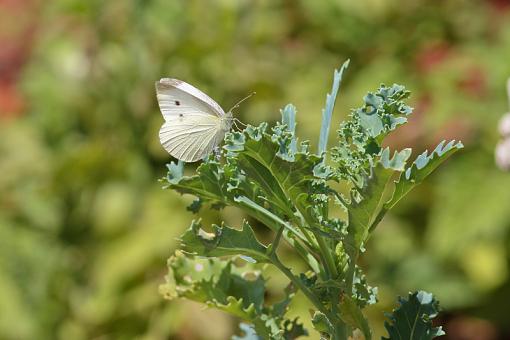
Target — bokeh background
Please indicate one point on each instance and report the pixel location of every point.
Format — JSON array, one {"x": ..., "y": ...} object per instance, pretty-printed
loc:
[{"x": 85, "y": 228}]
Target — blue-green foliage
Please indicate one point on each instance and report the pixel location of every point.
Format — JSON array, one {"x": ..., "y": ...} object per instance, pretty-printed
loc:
[
  {"x": 360, "y": 137},
  {"x": 274, "y": 179},
  {"x": 327, "y": 112}
]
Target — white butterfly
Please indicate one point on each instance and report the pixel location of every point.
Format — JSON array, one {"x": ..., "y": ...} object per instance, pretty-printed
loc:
[{"x": 194, "y": 123}]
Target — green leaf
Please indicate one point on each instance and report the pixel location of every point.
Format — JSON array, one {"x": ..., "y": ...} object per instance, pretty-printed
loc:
[
  {"x": 292, "y": 328},
  {"x": 266, "y": 215},
  {"x": 224, "y": 185},
  {"x": 321, "y": 323},
  {"x": 217, "y": 284},
  {"x": 420, "y": 169},
  {"x": 224, "y": 241},
  {"x": 256, "y": 177},
  {"x": 412, "y": 320},
  {"x": 285, "y": 183},
  {"x": 327, "y": 112},
  {"x": 288, "y": 189},
  {"x": 352, "y": 315},
  {"x": 210, "y": 183},
  {"x": 237, "y": 291},
  {"x": 363, "y": 213},
  {"x": 289, "y": 119}
]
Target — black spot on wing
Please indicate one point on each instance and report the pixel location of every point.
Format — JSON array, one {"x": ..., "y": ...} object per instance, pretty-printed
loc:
[{"x": 177, "y": 103}]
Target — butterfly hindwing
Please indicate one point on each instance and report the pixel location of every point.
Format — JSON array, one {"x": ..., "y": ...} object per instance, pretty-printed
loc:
[{"x": 192, "y": 139}]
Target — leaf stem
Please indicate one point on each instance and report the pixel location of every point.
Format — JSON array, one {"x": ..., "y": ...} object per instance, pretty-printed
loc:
[
  {"x": 377, "y": 219},
  {"x": 299, "y": 284},
  {"x": 327, "y": 256},
  {"x": 339, "y": 326},
  {"x": 272, "y": 248}
]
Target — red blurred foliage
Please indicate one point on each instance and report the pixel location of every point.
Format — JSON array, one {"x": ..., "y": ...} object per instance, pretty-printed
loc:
[
  {"x": 11, "y": 102},
  {"x": 457, "y": 129},
  {"x": 413, "y": 133},
  {"x": 500, "y": 4},
  {"x": 18, "y": 22},
  {"x": 431, "y": 56},
  {"x": 474, "y": 82},
  {"x": 470, "y": 328}
]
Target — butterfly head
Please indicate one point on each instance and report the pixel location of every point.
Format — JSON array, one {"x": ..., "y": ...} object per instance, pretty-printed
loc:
[{"x": 227, "y": 121}]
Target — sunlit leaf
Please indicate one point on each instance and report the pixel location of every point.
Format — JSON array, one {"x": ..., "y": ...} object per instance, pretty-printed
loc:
[{"x": 224, "y": 241}]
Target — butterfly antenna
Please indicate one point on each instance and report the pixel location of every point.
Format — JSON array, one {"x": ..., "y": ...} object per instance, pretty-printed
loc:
[
  {"x": 242, "y": 100},
  {"x": 241, "y": 123},
  {"x": 235, "y": 124}
]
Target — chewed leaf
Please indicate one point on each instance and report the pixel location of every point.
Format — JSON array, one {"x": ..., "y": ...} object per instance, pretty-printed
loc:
[
  {"x": 412, "y": 319},
  {"x": 224, "y": 241},
  {"x": 220, "y": 284}
]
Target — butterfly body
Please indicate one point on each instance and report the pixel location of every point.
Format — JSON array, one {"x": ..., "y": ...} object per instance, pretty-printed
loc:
[{"x": 194, "y": 123}]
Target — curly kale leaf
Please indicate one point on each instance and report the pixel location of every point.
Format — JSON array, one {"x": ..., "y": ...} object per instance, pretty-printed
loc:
[
  {"x": 360, "y": 137},
  {"x": 240, "y": 292}
]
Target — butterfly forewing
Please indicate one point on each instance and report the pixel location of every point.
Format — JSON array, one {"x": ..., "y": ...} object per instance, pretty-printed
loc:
[{"x": 176, "y": 97}]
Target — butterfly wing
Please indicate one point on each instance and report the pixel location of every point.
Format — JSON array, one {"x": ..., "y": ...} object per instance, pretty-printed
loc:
[
  {"x": 192, "y": 127},
  {"x": 176, "y": 97},
  {"x": 191, "y": 140}
]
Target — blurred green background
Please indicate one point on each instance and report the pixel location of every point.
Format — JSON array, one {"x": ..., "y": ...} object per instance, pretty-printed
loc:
[{"x": 85, "y": 229}]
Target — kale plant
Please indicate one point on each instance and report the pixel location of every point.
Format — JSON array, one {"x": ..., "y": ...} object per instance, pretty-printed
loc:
[{"x": 280, "y": 182}]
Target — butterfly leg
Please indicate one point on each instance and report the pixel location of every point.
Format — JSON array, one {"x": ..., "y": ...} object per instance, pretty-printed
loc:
[{"x": 217, "y": 152}]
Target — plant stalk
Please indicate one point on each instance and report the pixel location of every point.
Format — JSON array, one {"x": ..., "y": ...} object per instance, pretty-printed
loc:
[
  {"x": 339, "y": 327},
  {"x": 297, "y": 282},
  {"x": 328, "y": 257}
]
